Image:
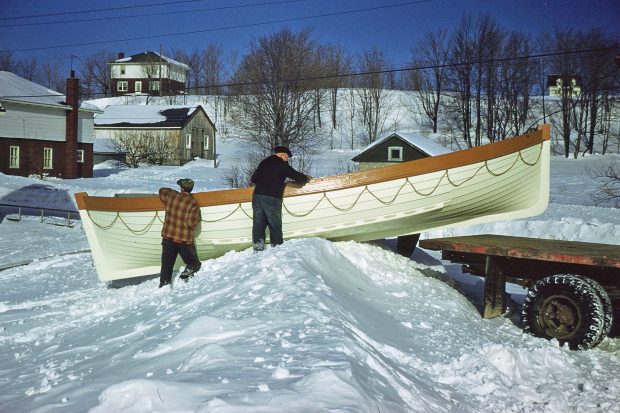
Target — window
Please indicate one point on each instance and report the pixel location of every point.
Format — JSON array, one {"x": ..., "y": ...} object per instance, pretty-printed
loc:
[
  {"x": 122, "y": 86},
  {"x": 47, "y": 158},
  {"x": 80, "y": 155},
  {"x": 138, "y": 86},
  {"x": 14, "y": 157},
  {"x": 122, "y": 70},
  {"x": 188, "y": 141},
  {"x": 154, "y": 85},
  {"x": 206, "y": 141},
  {"x": 395, "y": 153}
]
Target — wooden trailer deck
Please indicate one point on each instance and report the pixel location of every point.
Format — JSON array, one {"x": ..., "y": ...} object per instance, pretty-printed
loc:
[{"x": 523, "y": 261}]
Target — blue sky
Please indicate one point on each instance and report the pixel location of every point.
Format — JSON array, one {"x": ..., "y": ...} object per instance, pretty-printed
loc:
[{"x": 63, "y": 28}]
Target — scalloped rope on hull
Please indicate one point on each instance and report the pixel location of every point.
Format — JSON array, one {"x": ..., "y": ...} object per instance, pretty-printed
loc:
[{"x": 500, "y": 181}]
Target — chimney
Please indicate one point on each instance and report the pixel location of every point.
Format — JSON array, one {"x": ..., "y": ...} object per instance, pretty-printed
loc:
[
  {"x": 71, "y": 129},
  {"x": 121, "y": 55}
]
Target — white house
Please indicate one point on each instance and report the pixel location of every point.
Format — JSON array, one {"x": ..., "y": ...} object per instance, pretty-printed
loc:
[{"x": 147, "y": 73}]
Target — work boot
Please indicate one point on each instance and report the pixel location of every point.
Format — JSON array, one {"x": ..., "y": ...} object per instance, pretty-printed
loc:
[
  {"x": 259, "y": 246},
  {"x": 163, "y": 283},
  {"x": 187, "y": 274}
]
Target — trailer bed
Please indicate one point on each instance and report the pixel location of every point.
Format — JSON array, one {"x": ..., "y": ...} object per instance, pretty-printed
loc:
[{"x": 524, "y": 260}]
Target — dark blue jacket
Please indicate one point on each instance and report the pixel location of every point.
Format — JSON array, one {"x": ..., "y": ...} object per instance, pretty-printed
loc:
[{"x": 270, "y": 176}]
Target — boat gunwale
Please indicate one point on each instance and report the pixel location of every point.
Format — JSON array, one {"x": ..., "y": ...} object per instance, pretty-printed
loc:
[{"x": 331, "y": 183}]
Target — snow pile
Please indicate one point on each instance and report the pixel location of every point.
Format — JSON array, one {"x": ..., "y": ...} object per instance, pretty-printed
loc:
[{"x": 308, "y": 326}]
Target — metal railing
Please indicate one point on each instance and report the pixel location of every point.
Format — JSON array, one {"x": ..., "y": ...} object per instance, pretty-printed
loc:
[{"x": 5, "y": 211}]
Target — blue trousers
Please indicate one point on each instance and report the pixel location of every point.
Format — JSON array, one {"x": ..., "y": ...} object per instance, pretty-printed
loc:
[{"x": 267, "y": 212}]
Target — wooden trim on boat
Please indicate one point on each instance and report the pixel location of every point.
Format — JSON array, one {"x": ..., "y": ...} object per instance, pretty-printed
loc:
[{"x": 331, "y": 183}]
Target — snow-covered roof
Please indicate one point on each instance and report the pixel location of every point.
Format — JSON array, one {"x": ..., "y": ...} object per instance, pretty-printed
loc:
[
  {"x": 17, "y": 89},
  {"x": 149, "y": 57},
  {"x": 144, "y": 115},
  {"x": 415, "y": 139}
]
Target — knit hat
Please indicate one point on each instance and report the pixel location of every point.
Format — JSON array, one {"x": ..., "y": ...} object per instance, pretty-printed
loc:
[
  {"x": 282, "y": 149},
  {"x": 186, "y": 183}
]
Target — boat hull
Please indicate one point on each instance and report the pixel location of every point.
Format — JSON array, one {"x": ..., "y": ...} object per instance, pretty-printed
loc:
[{"x": 500, "y": 181}]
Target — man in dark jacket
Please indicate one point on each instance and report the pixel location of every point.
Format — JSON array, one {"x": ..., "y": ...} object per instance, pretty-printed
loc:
[
  {"x": 182, "y": 217},
  {"x": 269, "y": 180}
]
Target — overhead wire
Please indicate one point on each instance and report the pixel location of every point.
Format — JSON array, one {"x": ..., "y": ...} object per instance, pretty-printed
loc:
[
  {"x": 397, "y": 70},
  {"x": 166, "y": 13},
  {"x": 263, "y": 23},
  {"x": 65, "y": 13}
]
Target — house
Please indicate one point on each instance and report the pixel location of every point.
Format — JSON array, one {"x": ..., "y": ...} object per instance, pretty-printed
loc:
[
  {"x": 397, "y": 147},
  {"x": 564, "y": 85},
  {"x": 147, "y": 73},
  {"x": 187, "y": 131},
  {"x": 45, "y": 132}
]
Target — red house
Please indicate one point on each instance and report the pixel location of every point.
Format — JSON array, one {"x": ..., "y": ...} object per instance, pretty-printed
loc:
[{"x": 44, "y": 132}]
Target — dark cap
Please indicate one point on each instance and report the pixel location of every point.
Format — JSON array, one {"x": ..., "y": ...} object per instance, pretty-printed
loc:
[
  {"x": 186, "y": 183},
  {"x": 282, "y": 149}
]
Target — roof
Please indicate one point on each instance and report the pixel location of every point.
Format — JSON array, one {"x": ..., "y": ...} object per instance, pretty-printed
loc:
[
  {"x": 146, "y": 116},
  {"x": 149, "y": 57},
  {"x": 17, "y": 89},
  {"x": 416, "y": 140}
]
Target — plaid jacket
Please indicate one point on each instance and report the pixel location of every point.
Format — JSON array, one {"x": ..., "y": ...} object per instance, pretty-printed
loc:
[{"x": 182, "y": 215}]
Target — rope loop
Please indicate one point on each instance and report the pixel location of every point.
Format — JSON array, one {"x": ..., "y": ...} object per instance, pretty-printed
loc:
[{"x": 409, "y": 181}]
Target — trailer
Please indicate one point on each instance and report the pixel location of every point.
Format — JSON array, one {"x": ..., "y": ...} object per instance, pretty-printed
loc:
[{"x": 573, "y": 288}]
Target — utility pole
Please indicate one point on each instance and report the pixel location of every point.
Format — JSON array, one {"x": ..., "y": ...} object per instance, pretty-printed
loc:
[{"x": 160, "y": 84}]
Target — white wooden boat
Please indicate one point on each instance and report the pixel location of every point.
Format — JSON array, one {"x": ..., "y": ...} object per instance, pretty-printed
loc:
[{"x": 505, "y": 180}]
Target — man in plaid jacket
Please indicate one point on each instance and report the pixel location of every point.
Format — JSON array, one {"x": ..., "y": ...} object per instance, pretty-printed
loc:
[{"x": 182, "y": 217}]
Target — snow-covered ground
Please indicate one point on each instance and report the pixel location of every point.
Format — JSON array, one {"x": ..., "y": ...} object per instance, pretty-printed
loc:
[{"x": 310, "y": 326}]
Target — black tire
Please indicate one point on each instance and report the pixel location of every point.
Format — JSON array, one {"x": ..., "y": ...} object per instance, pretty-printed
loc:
[
  {"x": 564, "y": 307},
  {"x": 608, "y": 308}
]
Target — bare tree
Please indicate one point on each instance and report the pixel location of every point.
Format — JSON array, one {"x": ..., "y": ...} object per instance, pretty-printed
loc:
[
  {"x": 564, "y": 65},
  {"x": 430, "y": 57},
  {"x": 337, "y": 64},
  {"x": 96, "y": 76},
  {"x": 274, "y": 98},
  {"x": 372, "y": 93},
  {"x": 53, "y": 78},
  {"x": 608, "y": 178},
  {"x": 212, "y": 69},
  {"x": 194, "y": 61},
  {"x": 28, "y": 69},
  {"x": 7, "y": 63},
  {"x": 473, "y": 85},
  {"x": 145, "y": 147},
  {"x": 460, "y": 80},
  {"x": 516, "y": 82},
  {"x": 599, "y": 77}
]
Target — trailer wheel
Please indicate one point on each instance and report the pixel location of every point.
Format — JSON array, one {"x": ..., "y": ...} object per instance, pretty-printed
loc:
[
  {"x": 564, "y": 307},
  {"x": 608, "y": 308}
]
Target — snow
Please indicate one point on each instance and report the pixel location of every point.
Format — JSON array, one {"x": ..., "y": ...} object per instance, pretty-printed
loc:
[
  {"x": 137, "y": 114},
  {"x": 426, "y": 145},
  {"x": 309, "y": 326},
  {"x": 15, "y": 88}
]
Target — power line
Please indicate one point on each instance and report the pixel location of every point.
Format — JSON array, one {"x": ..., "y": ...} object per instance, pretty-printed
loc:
[
  {"x": 425, "y": 67},
  {"x": 398, "y": 70},
  {"x": 65, "y": 13},
  {"x": 133, "y": 16},
  {"x": 222, "y": 28}
]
